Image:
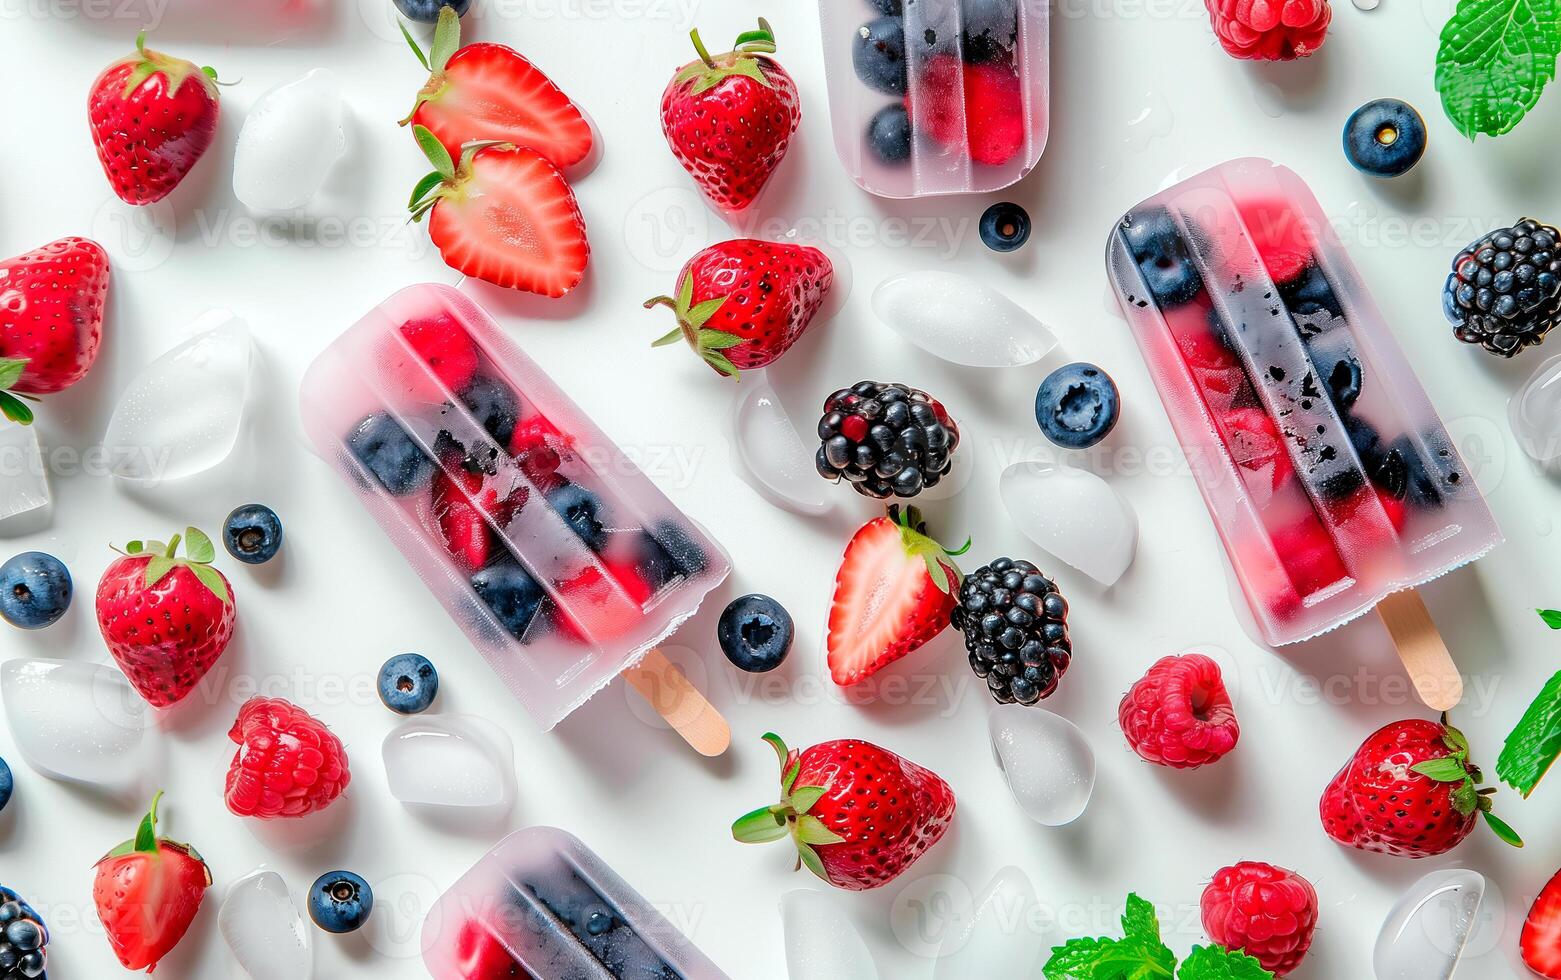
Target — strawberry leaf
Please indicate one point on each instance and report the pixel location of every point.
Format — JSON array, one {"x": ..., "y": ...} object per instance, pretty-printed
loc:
[
  {"x": 1552, "y": 617},
  {"x": 803, "y": 799},
  {"x": 718, "y": 340},
  {"x": 15, "y": 409},
  {"x": 1444, "y": 770},
  {"x": 133, "y": 548},
  {"x": 1496, "y": 57},
  {"x": 811, "y": 830},
  {"x": 11, "y": 370},
  {"x": 701, "y": 314},
  {"x": 1219, "y": 963},
  {"x": 1454, "y": 738},
  {"x": 670, "y": 338},
  {"x": 157, "y": 568},
  {"x": 212, "y": 579},
  {"x": 146, "y": 834},
  {"x": 811, "y": 860},
  {"x": 1465, "y": 798},
  {"x": 720, "y": 362},
  {"x": 424, "y": 186},
  {"x": 1501, "y": 829},
  {"x": 1533, "y": 745},
  {"x": 434, "y": 150},
  {"x": 759, "y": 827},
  {"x": 422, "y": 59},
  {"x": 198, "y": 547},
  {"x": 447, "y": 39}
]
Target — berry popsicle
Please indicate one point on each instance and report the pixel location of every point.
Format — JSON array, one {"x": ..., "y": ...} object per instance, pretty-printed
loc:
[
  {"x": 939, "y": 96},
  {"x": 561, "y": 561},
  {"x": 1332, "y": 482},
  {"x": 542, "y": 904}
]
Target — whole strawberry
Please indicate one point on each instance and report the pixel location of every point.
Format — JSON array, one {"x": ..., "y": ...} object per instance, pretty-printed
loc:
[
  {"x": 1266, "y": 912},
  {"x": 147, "y": 892},
  {"x": 166, "y": 619},
  {"x": 288, "y": 764},
  {"x": 152, "y": 117},
  {"x": 742, "y": 304},
  {"x": 1409, "y": 790},
  {"x": 729, "y": 119},
  {"x": 1270, "y": 30},
  {"x": 858, "y": 814},
  {"x": 51, "y": 320}
]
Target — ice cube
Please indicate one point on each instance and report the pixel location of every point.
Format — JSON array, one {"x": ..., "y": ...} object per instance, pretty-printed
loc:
[
  {"x": 263, "y": 928},
  {"x": 1047, "y": 761},
  {"x": 181, "y": 415},
  {"x": 24, "y": 486},
  {"x": 770, "y": 452},
  {"x": 954, "y": 317},
  {"x": 75, "y": 721},
  {"x": 998, "y": 935},
  {"x": 451, "y": 761},
  {"x": 291, "y": 139},
  {"x": 1535, "y": 413},
  {"x": 1073, "y": 514},
  {"x": 1426, "y": 931},
  {"x": 821, "y": 943}
]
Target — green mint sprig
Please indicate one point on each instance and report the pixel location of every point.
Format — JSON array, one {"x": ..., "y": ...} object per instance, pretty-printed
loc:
[
  {"x": 1141, "y": 955},
  {"x": 1533, "y": 745},
  {"x": 1495, "y": 59}
]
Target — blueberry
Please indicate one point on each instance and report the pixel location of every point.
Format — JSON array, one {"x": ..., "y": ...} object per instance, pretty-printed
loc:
[
  {"x": 1005, "y": 227},
  {"x": 991, "y": 29},
  {"x": 582, "y": 510},
  {"x": 1384, "y": 138},
  {"x": 1077, "y": 405},
  {"x": 1310, "y": 293},
  {"x": 887, "y": 6},
  {"x": 7, "y": 784},
  {"x": 511, "y": 593},
  {"x": 1157, "y": 247},
  {"x": 340, "y": 901},
  {"x": 35, "y": 590},
  {"x": 385, "y": 450},
  {"x": 889, "y": 134},
  {"x": 755, "y": 633},
  {"x": 427, "y": 11},
  {"x": 408, "y": 683},
  {"x": 878, "y": 54},
  {"x": 495, "y": 406},
  {"x": 252, "y": 534},
  {"x": 1400, "y": 472},
  {"x": 666, "y": 553}
]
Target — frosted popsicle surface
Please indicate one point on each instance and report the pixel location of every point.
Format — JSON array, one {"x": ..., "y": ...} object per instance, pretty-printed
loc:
[
  {"x": 1328, "y": 473},
  {"x": 944, "y": 97},
  {"x": 544, "y": 902},
  {"x": 560, "y": 560}
]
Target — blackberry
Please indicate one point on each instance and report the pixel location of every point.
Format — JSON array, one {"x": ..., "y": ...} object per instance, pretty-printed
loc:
[
  {"x": 1505, "y": 289},
  {"x": 1015, "y": 624},
  {"x": 886, "y": 439},
  {"x": 24, "y": 939}
]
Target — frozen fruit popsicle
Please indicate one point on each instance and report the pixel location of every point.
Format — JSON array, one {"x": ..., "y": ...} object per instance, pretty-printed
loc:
[
  {"x": 544, "y": 903},
  {"x": 562, "y": 562},
  {"x": 1333, "y": 484},
  {"x": 937, "y": 96}
]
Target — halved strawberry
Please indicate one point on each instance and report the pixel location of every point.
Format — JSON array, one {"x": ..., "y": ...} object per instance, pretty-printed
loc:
[
  {"x": 489, "y": 92},
  {"x": 1280, "y": 235},
  {"x": 1540, "y": 941},
  {"x": 479, "y": 956},
  {"x": 894, "y": 591},
  {"x": 539, "y": 449},
  {"x": 463, "y": 511},
  {"x": 503, "y": 215}
]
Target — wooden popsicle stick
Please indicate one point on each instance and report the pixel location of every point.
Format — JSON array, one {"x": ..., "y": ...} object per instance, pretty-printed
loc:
[
  {"x": 1422, "y": 649},
  {"x": 675, "y": 698}
]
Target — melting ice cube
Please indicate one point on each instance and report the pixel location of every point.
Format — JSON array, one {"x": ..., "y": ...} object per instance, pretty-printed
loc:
[
  {"x": 181, "y": 415},
  {"x": 961, "y": 320},
  {"x": 1426, "y": 931},
  {"x": 1073, "y": 514},
  {"x": 1535, "y": 413},
  {"x": 76, "y": 721},
  {"x": 1047, "y": 761},
  {"x": 997, "y": 936},
  {"x": 263, "y": 928},
  {"x": 24, "y": 487},
  {"x": 821, "y": 943},
  {"x": 451, "y": 761},
  {"x": 770, "y": 452},
  {"x": 291, "y": 139}
]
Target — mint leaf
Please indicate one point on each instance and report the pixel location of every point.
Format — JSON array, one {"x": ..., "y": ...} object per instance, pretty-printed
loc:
[
  {"x": 1552, "y": 617},
  {"x": 1136, "y": 958},
  {"x": 1139, "y": 920},
  {"x": 1218, "y": 963},
  {"x": 1076, "y": 959},
  {"x": 1495, "y": 59},
  {"x": 1536, "y": 741}
]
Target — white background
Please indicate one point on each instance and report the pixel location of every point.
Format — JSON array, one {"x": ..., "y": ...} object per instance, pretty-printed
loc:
[{"x": 1140, "y": 91}]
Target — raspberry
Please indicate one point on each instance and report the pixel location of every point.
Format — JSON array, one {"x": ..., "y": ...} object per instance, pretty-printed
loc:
[
  {"x": 1280, "y": 235},
  {"x": 1270, "y": 30},
  {"x": 1267, "y": 912},
  {"x": 1178, "y": 714},
  {"x": 288, "y": 764},
  {"x": 978, "y": 109}
]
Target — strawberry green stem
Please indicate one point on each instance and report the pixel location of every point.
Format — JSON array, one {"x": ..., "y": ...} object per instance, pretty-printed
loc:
[{"x": 790, "y": 817}]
